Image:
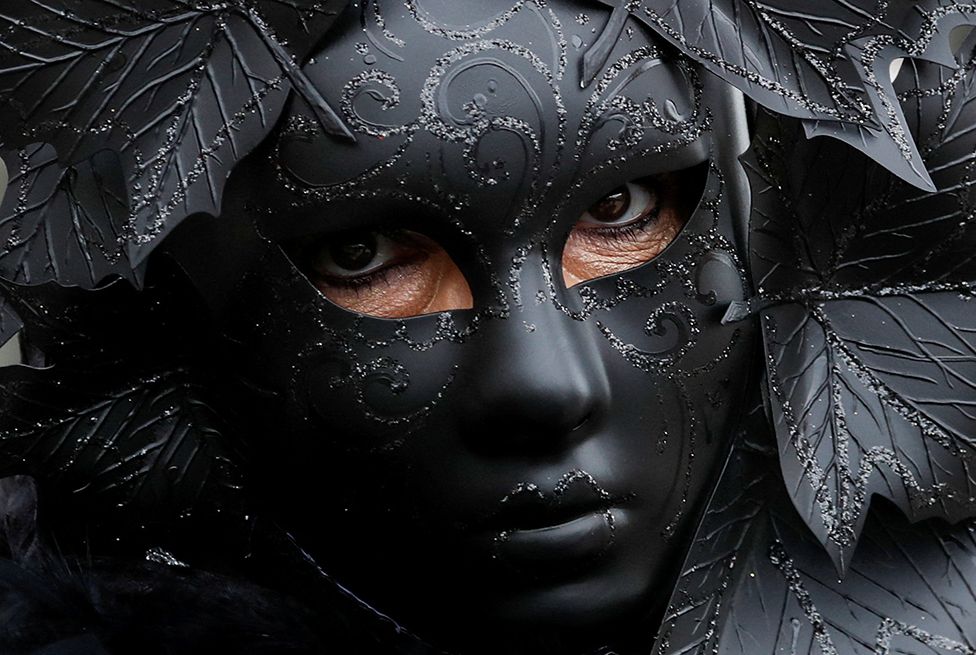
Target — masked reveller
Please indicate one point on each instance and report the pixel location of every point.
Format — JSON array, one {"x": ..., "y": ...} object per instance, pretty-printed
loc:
[{"x": 570, "y": 327}]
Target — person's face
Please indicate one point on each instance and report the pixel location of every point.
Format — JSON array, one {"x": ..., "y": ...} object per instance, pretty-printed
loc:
[{"x": 491, "y": 336}]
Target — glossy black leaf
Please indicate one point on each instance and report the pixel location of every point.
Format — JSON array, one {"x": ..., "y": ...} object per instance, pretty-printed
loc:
[
  {"x": 63, "y": 223},
  {"x": 150, "y": 444},
  {"x": 179, "y": 90},
  {"x": 826, "y": 62},
  {"x": 10, "y": 323},
  {"x": 867, "y": 307},
  {"x": 756, "y": 583}
]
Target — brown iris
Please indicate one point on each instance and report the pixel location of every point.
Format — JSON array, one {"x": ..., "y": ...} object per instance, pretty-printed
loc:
[
  {"x": 612, "y": 206},
  {"x": 354, "y": 251}
]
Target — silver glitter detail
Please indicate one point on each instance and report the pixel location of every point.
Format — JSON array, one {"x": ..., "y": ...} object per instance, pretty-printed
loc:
[
  {"x": 779, "y": 558},
  {"x": 636, "y": 116},
  {"x": 377, "y": 17},
  {"x": 160, "y": 556},
  {"x": 890, "y": 628},
  {"x": 471, "y": 129},
  {"x": 666, "y": 319}
]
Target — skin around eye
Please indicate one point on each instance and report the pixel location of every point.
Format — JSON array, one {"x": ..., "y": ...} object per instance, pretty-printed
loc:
[
  {"x": 387, "y": 274},
  {"x": 401, "y": 273},
  {"x": 626, "y": 228}
]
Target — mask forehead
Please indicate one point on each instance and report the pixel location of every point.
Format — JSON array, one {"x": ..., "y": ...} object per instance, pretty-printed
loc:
[{"x": 486, "y": 125}]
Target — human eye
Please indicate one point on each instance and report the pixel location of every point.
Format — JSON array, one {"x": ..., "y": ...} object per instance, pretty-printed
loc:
[
  {"x": 382, "y": 273},
  {"x": 627, "y": 227}
]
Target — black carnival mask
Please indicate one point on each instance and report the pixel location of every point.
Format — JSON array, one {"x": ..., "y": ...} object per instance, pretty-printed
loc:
[{"x": 533, "y": 456}]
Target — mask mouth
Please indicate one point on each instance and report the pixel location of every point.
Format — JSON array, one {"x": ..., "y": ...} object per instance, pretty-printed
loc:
[
  {"x": 527, "y": 507},
  {"x": 556, "y": 534}
]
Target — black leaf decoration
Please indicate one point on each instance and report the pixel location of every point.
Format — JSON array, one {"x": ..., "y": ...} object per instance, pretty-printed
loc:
[
  {"x": 177, "y": 90},
  {"x": 10, "y": 323},
  {"x": 824, "y": 61},
  {"x": 756, "y": 583},
  {"x": 149, "y": 445},
  {"x": 64, "y": 223},
  {"x": 867, "y": 302}
]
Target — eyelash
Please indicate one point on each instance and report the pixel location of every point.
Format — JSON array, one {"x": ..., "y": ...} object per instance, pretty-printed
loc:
[
  {"x": 377, "y": 277},
  {"x": 631, "y": 232},
  {"x": 381, "y": 276},
  {"x": 606, "y": 236}
]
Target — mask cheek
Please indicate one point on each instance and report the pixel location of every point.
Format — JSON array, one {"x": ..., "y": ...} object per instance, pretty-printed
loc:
[
  {"x": 682, "y": 332},
  {"x": 377, "y": 395}
]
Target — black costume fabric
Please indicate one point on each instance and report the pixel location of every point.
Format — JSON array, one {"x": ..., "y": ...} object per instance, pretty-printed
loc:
[{"x": 162, "y": 428}]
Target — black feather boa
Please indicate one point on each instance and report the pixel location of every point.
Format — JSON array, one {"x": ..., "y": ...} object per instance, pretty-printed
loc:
[
  {"x": 55, "y": 605},
  {"x": 51, "y": 604}
]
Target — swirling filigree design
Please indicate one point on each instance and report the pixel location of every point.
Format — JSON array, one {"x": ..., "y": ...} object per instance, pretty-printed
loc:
[
  {"x": 609, "y": 104},
  {"x": 674, "y": 324},
  {"x": 438, "y": 118},
  {"x": 365, "y": 84}
]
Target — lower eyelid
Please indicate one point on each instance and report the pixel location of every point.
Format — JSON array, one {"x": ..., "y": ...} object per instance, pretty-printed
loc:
[
  {"x": 378, "y": 275},
  {"x": 634, "y": 233}
]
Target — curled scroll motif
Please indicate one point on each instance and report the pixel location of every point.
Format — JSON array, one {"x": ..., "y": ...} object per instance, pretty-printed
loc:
[
  {"x": 372, "y": 15},
  {"x": 439, "y": 118},
  {"x": 437, "y": 115},
  {"x": 866, "y": 291},
  {"x": 371, "y": 84},
  {"x": 673, "y": 325},
  {"x": 373, "y": 381},
  {"x": 473, "y": 94},
  {"x": 384, "y": 376},
  {"x": 480, "y": 30},
  {"x": 301, "y": 184},
  {"x": 477, "y": 123},
  {"x": 471, "y": 28},
  {"x": 701, "y": 276},
  {"x": 610, "y": 103},
  {"x": 335, "y": 364}
]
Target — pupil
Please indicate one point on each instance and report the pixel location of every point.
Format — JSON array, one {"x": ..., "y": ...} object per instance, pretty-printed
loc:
[
  {"x": 612, "y": 206},
  {"x": 355, "y": 252}
]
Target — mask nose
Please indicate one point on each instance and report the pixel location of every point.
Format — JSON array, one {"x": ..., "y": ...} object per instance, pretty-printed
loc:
[{"x": 536, "y": 383}]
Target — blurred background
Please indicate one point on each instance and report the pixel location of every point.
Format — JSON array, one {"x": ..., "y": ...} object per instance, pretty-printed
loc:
[{"x": 10, "y": 353}]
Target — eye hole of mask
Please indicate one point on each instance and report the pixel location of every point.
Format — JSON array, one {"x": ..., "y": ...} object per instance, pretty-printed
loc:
[
  {"x": 630, "y": 225},
  {"x": 401, "y": 273},
  {"x": 383, "y": 273}
]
